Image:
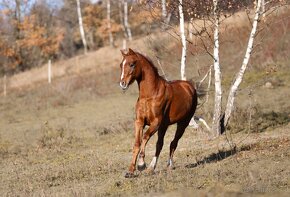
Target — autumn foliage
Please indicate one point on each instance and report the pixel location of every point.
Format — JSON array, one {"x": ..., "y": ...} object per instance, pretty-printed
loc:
[
  {"x": 31, "y": 32},
  {"x": 25, "y": 43}
]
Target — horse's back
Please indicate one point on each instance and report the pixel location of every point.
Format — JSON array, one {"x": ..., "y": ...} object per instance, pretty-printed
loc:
[{"x": 183, "y": 88}]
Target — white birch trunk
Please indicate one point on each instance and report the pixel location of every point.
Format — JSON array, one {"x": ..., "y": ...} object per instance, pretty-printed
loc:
[
  {"x": 109, "y": 23},
  {"x": 122, "y": 23},
  {"x": 190, "y": 29},
  {"x": 126, "y": 23},
  {"x": 239, "y": 77},
  {"x": 164, "y": 10},
  {"x": 168, "y": 18},
  {"x": 263, "y": 9},
  {"x": 208, "y": 85},
  {"x": 82, "y": 31},
  {"x": 183, "y": 41},
  {"x": 120, "y": 2},
  {"x": 217, "y": 74}
]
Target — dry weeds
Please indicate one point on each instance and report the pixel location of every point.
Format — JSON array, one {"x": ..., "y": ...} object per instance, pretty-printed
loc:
[{"x": 74, "y": 137}]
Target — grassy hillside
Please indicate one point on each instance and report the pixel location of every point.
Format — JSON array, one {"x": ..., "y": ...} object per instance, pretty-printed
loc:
[{"x": 74, "y": 137}]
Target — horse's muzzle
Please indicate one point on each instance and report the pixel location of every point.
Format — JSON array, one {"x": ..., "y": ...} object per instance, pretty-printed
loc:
[{"x": 123, "y": 85}]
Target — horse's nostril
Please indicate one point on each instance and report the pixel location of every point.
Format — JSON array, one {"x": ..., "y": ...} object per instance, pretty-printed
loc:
[{"x": 123, "y": 84}]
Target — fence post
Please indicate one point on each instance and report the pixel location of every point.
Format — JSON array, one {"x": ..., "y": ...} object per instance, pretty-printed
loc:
[
  {"x": 49, "y": 71},
  {"x": 124, "y": 43},
  {"x": 4, "y": 85}
]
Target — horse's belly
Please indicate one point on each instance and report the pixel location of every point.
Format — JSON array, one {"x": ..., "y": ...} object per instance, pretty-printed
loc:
[
  {"x": 179, "y": 112},
  {"x": 182, "y": 106}
]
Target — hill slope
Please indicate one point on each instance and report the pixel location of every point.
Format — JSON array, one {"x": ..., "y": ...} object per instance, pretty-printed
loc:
[{"x": 74, "y": 137}]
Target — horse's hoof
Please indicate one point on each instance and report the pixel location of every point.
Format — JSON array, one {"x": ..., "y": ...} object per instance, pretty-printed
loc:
[
  {"x": 141, "y": 167},
  {"x": 170, "y": 168},
  {"x": 130, "y": 175}
]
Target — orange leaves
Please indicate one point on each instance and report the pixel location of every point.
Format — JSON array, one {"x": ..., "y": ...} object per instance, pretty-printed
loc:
[
  {"x": 103, "y": 28},
  {"x": 143, "y": 16},
  {"x": 29, "y": 43},
  {"x": 32, "y": 35},
  {"x": 5, "y": 12},
  {"x": 96, "y": 23},
  {"x": 8, "y": 52},
  {"x": 91, "y": 16},
  {"x": 52, "y": 43},
  {"x": 35, "y": 36}
]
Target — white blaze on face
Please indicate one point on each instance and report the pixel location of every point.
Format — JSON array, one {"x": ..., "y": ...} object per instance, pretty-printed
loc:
[{"x": 123, "y": 68}]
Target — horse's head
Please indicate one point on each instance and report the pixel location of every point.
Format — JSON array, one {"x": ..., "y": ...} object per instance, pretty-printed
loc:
[{"x": 129, "y": 69}]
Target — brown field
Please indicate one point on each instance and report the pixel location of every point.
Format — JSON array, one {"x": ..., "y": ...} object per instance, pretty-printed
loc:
[{"x": 74, "y": 137}]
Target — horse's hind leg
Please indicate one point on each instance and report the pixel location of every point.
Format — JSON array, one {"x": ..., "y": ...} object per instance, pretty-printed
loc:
[
  {"x": 159, "y": 145},
  {"x": 179, "y": 132}
]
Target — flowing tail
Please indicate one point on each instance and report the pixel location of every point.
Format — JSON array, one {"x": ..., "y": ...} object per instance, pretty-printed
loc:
[
  {"x": 201, "y": 91},
  {"x": 195, "y": 125}
]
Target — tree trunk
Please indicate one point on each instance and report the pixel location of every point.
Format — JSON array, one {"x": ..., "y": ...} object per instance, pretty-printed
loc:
[
  {"x": 109, "y": 23},
  {"x": 164, "y": 11},
  {"x": 217, "y": 74},
  {"x": 82, "y": 31},
  {"x": 126, "y": 23},
  {"x": 190, "y": 29},
  {"x": 263, "y": 9},
  {"x": 18, "y": 11},
  {"x": 183, "y": 41},
  {"x": 122, "y": 23},
  {"x": 239, "y": 77}
]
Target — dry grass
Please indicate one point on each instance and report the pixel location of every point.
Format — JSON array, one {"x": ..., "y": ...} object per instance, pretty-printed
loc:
[{"x": 74, "y": 137}]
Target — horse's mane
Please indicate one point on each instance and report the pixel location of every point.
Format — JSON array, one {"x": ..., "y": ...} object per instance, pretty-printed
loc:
[{"x": 155, "y": 69}]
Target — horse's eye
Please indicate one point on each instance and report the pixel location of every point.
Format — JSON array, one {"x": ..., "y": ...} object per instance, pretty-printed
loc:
[{"x": 132, "y": 65}]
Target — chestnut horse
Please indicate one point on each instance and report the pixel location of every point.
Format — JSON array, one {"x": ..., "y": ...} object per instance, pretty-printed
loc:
[{"x": 160, "y": 104}]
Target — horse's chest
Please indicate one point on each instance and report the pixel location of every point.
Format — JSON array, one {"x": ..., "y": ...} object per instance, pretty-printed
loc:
[{"x": 148, "y": 108}]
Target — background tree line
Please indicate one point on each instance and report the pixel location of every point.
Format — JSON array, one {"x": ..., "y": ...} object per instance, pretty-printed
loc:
[{"x": 33, "y": 31}]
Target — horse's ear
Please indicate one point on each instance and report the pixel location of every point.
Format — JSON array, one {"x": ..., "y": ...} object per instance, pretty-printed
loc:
[
  {"x": 123, "y": 52},
  {"x": 131, "y": 52}
]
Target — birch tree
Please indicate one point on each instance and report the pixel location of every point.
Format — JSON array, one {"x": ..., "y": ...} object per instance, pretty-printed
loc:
[
  {"x": 165, "y": 14},
  {"x": 220, "y": 120},
  {"x": 263, "y": 9},
  {"x": 240, "y": 74},
  {"x": 164, "y": 11},
  {"x": 190, "y": 29},
  {"x": 121, "y": 17},
  {"x": 82, "y": 31},
  {"x": 183, "y": 40},
  {"x": 217, "y": 72},
  {"x": 126, "y": 23},
  {"x": 109, "y": 23}
]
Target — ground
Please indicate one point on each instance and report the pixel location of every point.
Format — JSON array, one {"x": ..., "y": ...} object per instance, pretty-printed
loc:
[{"x": 74, "y": 137}]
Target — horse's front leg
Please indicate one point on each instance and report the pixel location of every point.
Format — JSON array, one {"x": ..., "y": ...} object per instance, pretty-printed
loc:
[
  {"x": 136, "y": 148},
  {"x": 150, "y": 131}
]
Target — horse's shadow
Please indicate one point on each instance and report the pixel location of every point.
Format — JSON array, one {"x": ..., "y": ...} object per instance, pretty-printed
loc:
[{"x": 214, "y": 157}]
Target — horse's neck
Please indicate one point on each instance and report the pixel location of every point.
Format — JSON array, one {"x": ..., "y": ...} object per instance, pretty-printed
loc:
[{"x": 149, "y": 82}]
